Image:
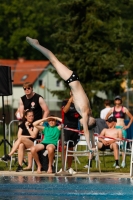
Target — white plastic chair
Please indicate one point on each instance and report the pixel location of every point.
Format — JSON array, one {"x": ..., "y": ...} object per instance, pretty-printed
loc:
[
  {"x": 16, "y": 153},
  {"x": 110, "y": 152},
  {"x": 78, "y": 153},
  {"x": 56, "y": 158}
]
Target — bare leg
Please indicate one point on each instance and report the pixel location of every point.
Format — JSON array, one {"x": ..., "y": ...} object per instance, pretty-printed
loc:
[
  {"x": 69, "y": 158},
  {"x": 34, "y": 150},
  {"x": 50, "y": 149},
  {"x": 29, "y": 161},
  {"x": 62, "y": 70},
  {"x": 28, "y": 143},
  {"x": 114, "y": 146},
  {"x": 21, "y": 150},
  {"x": 80, "y": 99}
]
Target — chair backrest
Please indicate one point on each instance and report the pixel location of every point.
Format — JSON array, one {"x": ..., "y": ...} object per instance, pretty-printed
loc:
[{"x": 82, "y": 142}]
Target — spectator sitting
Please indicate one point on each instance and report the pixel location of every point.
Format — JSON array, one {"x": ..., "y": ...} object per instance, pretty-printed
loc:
[
  {"x": 27, "y": 133},
  {"x": 106, "y": 143},
  {"x": 51, "y": 137}
]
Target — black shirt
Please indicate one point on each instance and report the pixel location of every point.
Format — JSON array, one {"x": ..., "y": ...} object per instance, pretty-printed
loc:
[
  {"x": 25, "y": 131},
  {"x": 33, "y": 103},
  {"x": 71, "y": 118}
]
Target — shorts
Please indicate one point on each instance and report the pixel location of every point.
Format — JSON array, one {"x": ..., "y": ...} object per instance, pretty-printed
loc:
[
  {"x": 103, "y": 148},
  {"x": 124, "y": 132},
  {"x": 45, "y": 145},
  {"x": 71, "y": 135},
  {"x": 73, "y": 77},
  {"x": 32, "y": 139}
]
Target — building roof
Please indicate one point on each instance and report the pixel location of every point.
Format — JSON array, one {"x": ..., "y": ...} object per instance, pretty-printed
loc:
[{"x": 25, "y": 70}]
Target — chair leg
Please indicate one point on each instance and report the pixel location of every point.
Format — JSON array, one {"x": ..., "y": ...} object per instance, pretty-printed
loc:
[
  {"x": 56, "y": 165},
  {"x": 10, "y": 164},
  {"x": 90, "y": 156},
  {"x": 99, "y": 166},
  {"x": 131, "y": 162},
  {"x": 33, "y": 165},
  {"x": 98, "y": 159},
  {"x": 77, "y": 160},
  {"x": 65, "y": 161}
]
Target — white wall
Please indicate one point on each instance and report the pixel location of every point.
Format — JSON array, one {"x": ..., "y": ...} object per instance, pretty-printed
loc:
[{"x": 49, "y": 81}]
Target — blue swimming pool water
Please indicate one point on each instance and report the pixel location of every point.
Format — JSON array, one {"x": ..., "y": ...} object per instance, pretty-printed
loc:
[{"x": 64, "y": 188}]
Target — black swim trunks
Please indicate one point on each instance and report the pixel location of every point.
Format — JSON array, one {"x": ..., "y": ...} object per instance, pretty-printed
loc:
[
  {"x": 45, "y": 145},
  {"x": 73, "y": 77},
  {"x": 105, "y": 147},
  {"x": 71, "y": 135}
]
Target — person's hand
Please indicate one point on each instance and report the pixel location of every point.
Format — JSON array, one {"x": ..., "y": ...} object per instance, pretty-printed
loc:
[
  {"x": 17, "y": 114},
  {"x": 105, "y": 142},
  {"x": 27, "y": 123},
  {"x": 110, "y": 142},
  {"x": 70, "y": 99},
  {"x": 125, "y": 127}
]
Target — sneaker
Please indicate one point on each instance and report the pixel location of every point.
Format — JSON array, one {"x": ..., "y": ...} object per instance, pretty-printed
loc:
[
  {"x": 6, "y": 158},
  {"x": 19, "y": 168},
  {"x": 86, "y": 166},
  {"x": 59, "y": 171},
  {"x": 123, "y": 164},
  {"x": 117, "y": 167},
  {"x": 71, "y": 171}
]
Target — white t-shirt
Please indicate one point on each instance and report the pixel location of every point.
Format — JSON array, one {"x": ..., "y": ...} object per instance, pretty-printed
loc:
[{"x": 104, "y": 112}]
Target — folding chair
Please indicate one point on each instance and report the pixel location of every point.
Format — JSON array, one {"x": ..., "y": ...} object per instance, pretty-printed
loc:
[
  {"x": 108, "y": 152},
  {"x": 16, "y": 153},
  {"x": 56, "y": 158},
  {"x": 76, "y": 152}
]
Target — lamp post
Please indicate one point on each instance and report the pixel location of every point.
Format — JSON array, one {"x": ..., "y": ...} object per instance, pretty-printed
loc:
[{"x": 127, "y": 89}]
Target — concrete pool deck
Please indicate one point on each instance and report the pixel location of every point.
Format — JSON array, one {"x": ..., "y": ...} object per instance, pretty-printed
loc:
[{"x": 79, "y": 174}]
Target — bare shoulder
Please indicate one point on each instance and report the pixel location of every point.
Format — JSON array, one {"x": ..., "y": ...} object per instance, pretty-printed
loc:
[
  {"x": 124, "y": 108},
  {"x": 41, "y": 99},
  {"x": 104, "y": 131}
]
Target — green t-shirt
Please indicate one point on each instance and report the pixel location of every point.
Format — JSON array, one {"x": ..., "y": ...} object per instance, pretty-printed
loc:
[{"x": 51, "y": 135}]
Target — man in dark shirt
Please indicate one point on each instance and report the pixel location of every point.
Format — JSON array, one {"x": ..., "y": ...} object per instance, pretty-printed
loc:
[
  {"x": 34, "y": 101},
  {"x": 71, "y": 120}
]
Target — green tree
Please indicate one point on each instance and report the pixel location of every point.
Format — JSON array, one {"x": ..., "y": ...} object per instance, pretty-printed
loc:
[
  {"x": 94, "y": 36},
  {"x": 19, "y": 19}
]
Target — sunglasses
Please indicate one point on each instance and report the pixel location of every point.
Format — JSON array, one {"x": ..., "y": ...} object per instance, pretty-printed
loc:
[{"x": 27, "y": 88}]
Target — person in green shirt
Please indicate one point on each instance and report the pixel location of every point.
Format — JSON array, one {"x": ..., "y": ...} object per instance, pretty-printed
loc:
[{"x": 51, "y": 137}]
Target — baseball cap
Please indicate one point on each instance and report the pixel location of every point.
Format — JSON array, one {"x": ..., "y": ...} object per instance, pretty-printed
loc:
[
  {"x": 118, "y": 97},
  {"x": 111, "y": 119}
]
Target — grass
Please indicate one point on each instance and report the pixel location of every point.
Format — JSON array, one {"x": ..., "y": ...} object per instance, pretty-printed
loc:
[
  {"x": 108, "y": 167},
  {"x": 109, "y": 161}
]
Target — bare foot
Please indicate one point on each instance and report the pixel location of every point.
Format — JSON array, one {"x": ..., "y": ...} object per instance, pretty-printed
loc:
[
  {"x": 38, "y": 172},
  {"x": 49, "y": 171},
  {"x": 27, "y": 168},
  {"x": 39, "y": 169},
  {"x": 32, "y": 42}
]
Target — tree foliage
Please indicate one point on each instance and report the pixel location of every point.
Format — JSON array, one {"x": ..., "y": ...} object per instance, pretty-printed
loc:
[
  {"x": 92, "y": 37},
  {"x": 22, "y": 18},
  {"x": 95, "y": 44}
]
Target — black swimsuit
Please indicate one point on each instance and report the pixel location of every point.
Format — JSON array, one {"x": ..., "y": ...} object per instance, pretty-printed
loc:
[
  {"x": 119, "y": 114},
  {"x": 73, "y": 77}
]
